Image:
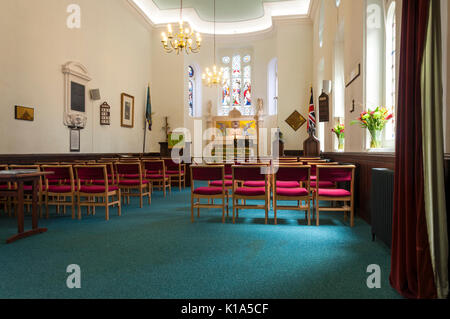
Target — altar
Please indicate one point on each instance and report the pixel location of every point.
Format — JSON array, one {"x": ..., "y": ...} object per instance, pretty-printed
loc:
[{"x": 236, "y": 135}]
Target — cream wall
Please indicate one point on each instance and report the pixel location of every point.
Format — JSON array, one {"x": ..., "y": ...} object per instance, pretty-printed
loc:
[
  {"x": 114, "y": 43},
  {"x": 351, "y": 14}
]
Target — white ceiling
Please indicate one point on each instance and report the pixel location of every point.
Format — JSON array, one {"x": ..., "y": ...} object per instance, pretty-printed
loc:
[{"x": 232, "y": 16}]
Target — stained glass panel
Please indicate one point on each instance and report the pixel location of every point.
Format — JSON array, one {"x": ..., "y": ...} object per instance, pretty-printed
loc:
[
  {"x": 236, "y": 91},
  {"x": 247, "y": 98},
  {"x": 236, "y": 66},
  {"x": 191, "y": 98},
  {"x": 226, "y": 87}
]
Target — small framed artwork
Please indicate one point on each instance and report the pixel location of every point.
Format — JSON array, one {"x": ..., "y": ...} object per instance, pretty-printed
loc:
[
  {"x": 74, "y": 140},
  {"x": 24, "y": 113},
  {"x": 354, "y": 74},
  {"x": 127, "y": 110}
]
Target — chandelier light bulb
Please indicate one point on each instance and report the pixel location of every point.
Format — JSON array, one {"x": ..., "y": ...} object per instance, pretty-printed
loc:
[{"x": 181, "y": 40}]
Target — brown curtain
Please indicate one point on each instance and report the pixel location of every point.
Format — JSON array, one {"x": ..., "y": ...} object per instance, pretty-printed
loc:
[{"x": 411, "y": 269}]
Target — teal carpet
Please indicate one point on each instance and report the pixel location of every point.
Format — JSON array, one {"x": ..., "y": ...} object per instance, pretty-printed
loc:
[{"x": 156, "y": 252}]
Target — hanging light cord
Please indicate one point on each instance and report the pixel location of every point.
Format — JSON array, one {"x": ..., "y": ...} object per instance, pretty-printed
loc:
[{"x": 214, "y": 32}]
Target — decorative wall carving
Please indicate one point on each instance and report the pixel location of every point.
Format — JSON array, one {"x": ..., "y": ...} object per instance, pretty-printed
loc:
[{"x": 74, "y": 72}]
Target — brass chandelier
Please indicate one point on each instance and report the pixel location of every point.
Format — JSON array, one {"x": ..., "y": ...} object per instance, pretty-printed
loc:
[
  {"x": 214, "y": 76},
  {"x": 183, "y": 40}
]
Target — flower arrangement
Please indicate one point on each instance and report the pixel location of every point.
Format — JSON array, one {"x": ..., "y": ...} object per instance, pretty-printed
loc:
[
  {"x": 375, "y": 122},
  {"x": 339, "y": 130}
]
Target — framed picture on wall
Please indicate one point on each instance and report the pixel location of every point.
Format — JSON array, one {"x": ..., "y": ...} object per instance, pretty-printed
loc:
[
  {"x": 127, "y": 110},
  {"x": 24, "y": 113},
  {"x": 74, "y": 140}
]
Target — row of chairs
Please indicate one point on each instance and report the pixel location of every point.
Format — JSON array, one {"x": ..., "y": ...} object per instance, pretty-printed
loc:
[
  {"x": 107, "y": 180},
  {"x": 288, "y": 182}
]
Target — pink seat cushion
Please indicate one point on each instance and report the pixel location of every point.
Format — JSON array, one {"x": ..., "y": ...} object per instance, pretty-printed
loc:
[
  {"x": 151, "y": 172},
  {"x": 282, "y": 184},
  {"x": 334, "y": 192},
  {"x": 29, "y": 188},
  {"x": 208, "y": 191},
  {"x": 250, "y": 191},
  {"x": 323, "y": 184},
  {"x": 133, "y": 182},
  {"x": 170, "y": 172},
  {"x": 219, "y": 183},
  {"x": 292, "y": 192},
  {"x": 131, "y": 176},
  {"x": 313, "y": 177},
  {"x": 3, "y": 186},
  {"x": 228, "y": 176},
  {"x": 102, "y": 182},
  {"x": 154, "y": 176},
  {"x": 255, "y": 184},
  {"x": 96, "y": 189},
  {"x": 60, "y": 189}
]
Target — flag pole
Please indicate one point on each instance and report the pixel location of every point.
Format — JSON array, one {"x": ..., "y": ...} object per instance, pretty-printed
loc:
[{"x": 145, "y": 121}]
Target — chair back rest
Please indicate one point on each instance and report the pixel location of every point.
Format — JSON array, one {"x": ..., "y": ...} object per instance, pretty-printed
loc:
[
  {"x": 153, "y": 165},
  {"x": 31, "y": 167},
  {"x": 171, "y": 165},
  {"x": 91, "y": 172},
  {"x": 132, "y": 168},
  {"x": 335, "y": 173},
  {"x": 314, "y": 165},
  {"x": 289, "y": 173},
  {"x": 249, "y": 172},
  {"x": 207, "y": 172},
  {"x": 60, "y": 172}
]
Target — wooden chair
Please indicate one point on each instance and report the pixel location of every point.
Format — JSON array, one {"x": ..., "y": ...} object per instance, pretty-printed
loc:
[
  {"x": 253, "y": 173},
  {"x": 28, "y": 196},
  {"x": 57, "y": 193},
  {"x": 127, "y": 184},
  {"x": 176, "y": 172},
  {"x": 104, "y": 192},
  {"x": 6, "y": 201},
  {"x": 155, "y": 172},
  {"x": 208, "y": 173},
  {"x": 335, "y": 174},
  {"x": 292, "y": 174}
]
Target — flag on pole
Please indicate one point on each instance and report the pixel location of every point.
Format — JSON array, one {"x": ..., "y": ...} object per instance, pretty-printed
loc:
[
  {"x": 311, "y": 128},
  {"x": 148, "y": 111}
]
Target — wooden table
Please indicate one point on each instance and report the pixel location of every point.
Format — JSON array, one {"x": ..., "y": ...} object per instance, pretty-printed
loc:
[{"x": 20, "y": 177}]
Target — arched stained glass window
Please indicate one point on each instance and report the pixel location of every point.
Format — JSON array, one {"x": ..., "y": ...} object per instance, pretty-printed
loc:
[
  {"x": 237, "y": 85},
  {"x": 191, "y": 80}
]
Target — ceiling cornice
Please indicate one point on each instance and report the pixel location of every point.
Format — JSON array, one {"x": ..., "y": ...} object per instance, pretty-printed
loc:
[{"x": 274, "y": 11}]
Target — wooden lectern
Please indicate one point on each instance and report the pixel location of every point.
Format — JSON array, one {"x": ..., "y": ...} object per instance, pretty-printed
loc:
[{"x": 311, "y": 146}]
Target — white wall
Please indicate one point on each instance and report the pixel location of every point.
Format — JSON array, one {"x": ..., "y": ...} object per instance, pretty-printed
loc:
[{"x": 114, "y": 43}]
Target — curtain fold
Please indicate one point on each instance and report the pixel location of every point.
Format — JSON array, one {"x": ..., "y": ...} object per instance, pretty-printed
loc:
[
  {"x": 433, "y": 150},
  {"x": 411, "y": 268}
]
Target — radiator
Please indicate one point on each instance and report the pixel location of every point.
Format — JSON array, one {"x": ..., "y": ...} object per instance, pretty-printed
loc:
[{"x": 381, "y": 204}]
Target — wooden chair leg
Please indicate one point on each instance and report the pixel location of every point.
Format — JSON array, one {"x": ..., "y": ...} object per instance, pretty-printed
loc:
[
  {"x": 46, "y": 206},
  {"x": 119, "y": 205},
  {"x": 234, "y": 211},
  {"x": 79, "y": 206},
  {"x": 192, "y": 209},
  {"x": 106, "y": 206},
  {"x": 352, "y": 213},
  {"x": 223, "y": 209}
]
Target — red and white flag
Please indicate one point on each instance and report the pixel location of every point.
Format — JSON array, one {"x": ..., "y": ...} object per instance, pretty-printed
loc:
[{"x": 311, "y": 128}]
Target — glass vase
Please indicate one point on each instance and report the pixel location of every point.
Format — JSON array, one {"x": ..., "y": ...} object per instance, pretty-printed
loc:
[
  {"x": 375, "y": 138},
  {"x": 340, "y": 143}
]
